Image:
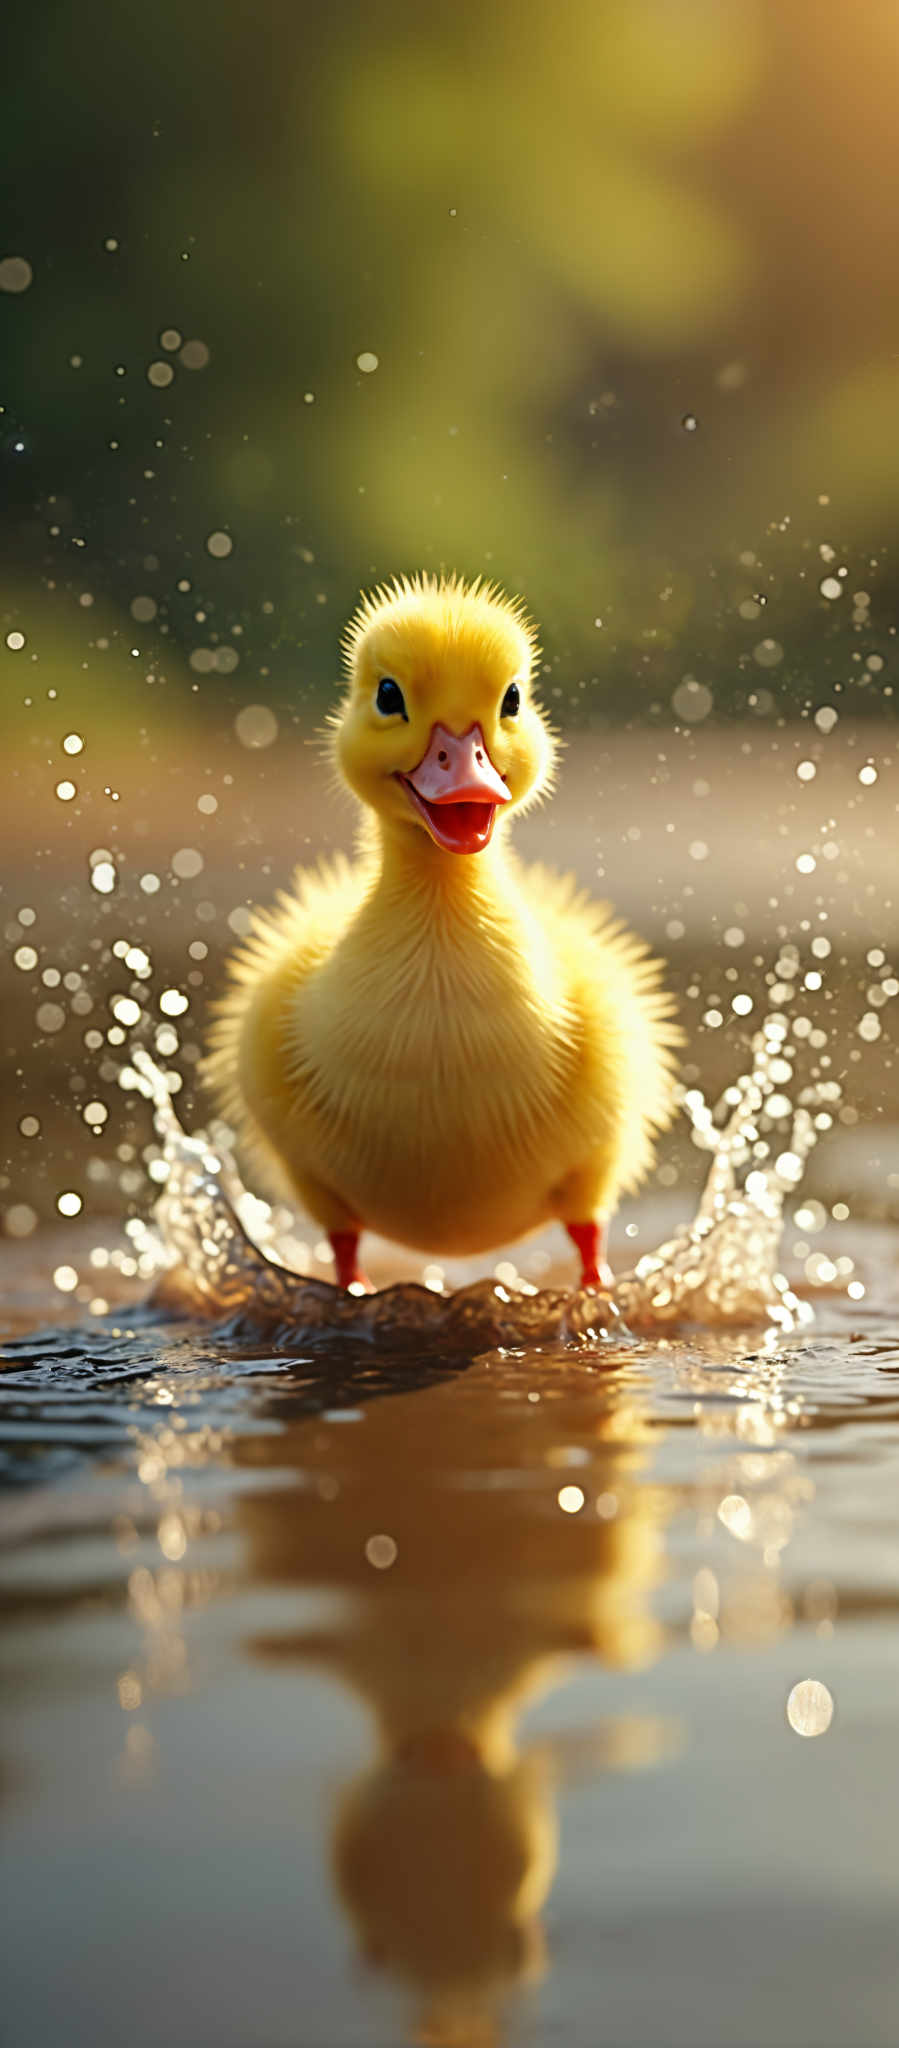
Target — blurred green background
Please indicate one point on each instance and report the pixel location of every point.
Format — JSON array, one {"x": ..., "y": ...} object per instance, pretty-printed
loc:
[
  {"x": 562, "y": 234},
  {"x": 601, "y": 299}
]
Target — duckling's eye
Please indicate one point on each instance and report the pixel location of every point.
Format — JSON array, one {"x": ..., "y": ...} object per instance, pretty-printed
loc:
[
  {"x": 390, "y": 700},
  {"x": 509, "y": 707}
]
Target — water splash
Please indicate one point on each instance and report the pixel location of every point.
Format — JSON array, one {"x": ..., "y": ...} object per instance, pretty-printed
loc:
[
  {"x": 719, "y": 1269},
  {"x": 722, "y": 1266}
]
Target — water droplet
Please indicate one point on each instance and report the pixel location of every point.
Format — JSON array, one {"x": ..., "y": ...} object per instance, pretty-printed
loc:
[
  {"x": 219, "y": 544},
  {"x": 256, "y": 726},
  {"x": 187, "y": 863},
  {"x": 172, "y": 1003},
  {"x": 15, "y": 274},
  {"x": 15, "y": 641},
  {"x": 810, "y": 1708},
  {"x": 126, "y": 1011},
  {"x": 171, "y": 1537},
  {"x": 20, "y": 1220},
  {"x": 160, "y": 374},
  {"x": 768, "y": 653},
  {"x": 830, "y": 587},
  {"x": 194, "y": 355},
  {"x": 692, "y": 701},
  {"x": 789, "y": 1167},
  {"x": 689, "y": 422},
  {"x": 736, "y": 1515},
  {"x": 50, "y": 1017},
  {"x": 570, "y": 1499},
  {"x": 366, "y": 362}
]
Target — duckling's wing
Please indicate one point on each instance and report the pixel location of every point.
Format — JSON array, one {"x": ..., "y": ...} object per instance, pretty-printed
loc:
[
  {"x": 625, "y": 1017},
  {"x": 244, "y": 1064}
]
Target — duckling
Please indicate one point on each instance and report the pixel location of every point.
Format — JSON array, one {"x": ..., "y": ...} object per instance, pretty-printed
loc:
[{"x": 436, "y": 1042}]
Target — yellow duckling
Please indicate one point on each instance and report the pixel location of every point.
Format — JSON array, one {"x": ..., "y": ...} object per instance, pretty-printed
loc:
[{"x": 438, "y": 1043}]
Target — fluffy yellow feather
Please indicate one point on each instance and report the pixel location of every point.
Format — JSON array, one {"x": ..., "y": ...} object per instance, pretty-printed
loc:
[{"x": 436, "y": 1042}]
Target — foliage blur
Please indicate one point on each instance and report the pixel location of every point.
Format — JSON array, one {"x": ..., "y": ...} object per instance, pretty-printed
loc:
[{"x": 599, "y": 298}]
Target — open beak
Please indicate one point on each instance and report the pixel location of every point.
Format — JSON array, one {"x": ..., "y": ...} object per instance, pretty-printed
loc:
[{"x": 456, "y": 789}]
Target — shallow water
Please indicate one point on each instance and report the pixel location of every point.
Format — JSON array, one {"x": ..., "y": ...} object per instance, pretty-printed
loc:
[{"x": 359, "y": 1698}]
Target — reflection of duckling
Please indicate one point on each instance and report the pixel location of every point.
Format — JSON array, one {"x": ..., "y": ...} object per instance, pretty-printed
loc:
[
  {"x": 467, "y": 1604},
  {"x": 444, "y": 1867},
  {"x": 451, "y": 1051}
]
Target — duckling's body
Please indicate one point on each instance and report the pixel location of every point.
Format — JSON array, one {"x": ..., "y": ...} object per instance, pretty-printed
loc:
[{"x": 449, "y": 1050}]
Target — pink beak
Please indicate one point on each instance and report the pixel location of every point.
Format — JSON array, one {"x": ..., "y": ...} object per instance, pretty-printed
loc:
[{"x": 456, "y": 789}]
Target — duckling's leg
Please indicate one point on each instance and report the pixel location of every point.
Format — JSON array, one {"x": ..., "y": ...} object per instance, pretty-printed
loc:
[
  {"x": 345, "y": 1246},
  {"x": 590, "y": 1241}
]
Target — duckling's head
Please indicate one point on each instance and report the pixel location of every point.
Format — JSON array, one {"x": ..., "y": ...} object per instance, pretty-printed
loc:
[{"x": 439, "y": 731}]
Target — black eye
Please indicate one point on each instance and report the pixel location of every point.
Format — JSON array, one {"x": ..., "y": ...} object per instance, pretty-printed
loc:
[
  {"x": 511, "y": 701},
  {"x": 390, "y": 700}
]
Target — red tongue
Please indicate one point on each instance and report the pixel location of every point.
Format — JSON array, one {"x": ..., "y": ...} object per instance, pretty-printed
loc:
[{"x": 464, "y": 828}]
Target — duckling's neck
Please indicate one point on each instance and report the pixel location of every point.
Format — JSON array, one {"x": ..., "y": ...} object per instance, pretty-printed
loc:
[{"x": 409, "y": 865}]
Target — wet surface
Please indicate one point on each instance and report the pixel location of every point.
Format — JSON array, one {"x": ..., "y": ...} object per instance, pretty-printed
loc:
[{"x": 355, "y": 1697}]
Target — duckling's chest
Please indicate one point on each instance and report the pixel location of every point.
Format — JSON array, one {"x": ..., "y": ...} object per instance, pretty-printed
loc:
[{"x": 436, "y": 1061}]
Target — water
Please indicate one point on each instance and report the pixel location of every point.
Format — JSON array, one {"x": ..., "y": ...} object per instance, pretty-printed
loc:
[
  {"x": 361, "y": 1699},
  {"x": 459, "y": 1670}
]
